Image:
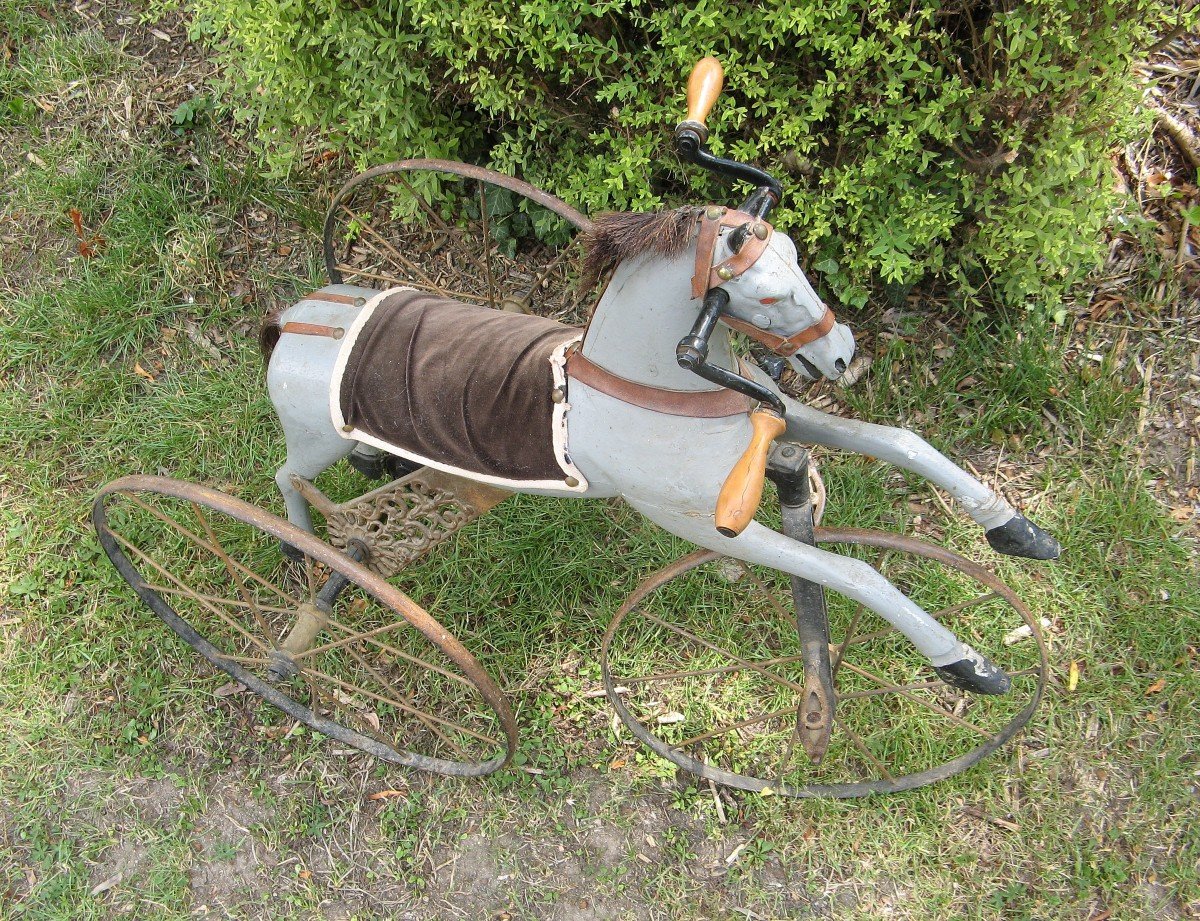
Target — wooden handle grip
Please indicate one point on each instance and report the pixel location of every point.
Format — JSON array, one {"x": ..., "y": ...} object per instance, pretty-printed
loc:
[
  {"x": 743, "y": 488},
  {"x": 704, "y": 86}
]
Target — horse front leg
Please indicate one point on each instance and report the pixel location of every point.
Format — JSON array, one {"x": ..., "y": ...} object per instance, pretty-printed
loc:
[
  {"x": 1007, "y": 530},
  {"x": 955, "y": 662}
]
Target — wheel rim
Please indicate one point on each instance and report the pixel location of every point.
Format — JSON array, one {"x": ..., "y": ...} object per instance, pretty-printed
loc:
[
  {"x": 717, "y": 694},
  {"x": 458, "y": 230},
  {"x": 379, "y": 674}
]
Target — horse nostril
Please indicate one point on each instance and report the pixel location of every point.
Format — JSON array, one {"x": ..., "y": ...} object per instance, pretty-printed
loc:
[{"x": 840, "y": 365}]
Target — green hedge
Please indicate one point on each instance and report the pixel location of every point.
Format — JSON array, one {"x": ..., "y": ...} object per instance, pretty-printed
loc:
[{"x": 966, "y": 142}]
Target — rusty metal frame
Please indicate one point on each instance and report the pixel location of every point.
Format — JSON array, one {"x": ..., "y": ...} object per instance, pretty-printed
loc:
[
  {"x": 322, "y": 552},
  {"x": 868, "y": 538}
]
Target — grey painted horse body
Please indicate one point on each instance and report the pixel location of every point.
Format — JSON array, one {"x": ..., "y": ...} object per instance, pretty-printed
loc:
[{"x": 671, "y": 468}]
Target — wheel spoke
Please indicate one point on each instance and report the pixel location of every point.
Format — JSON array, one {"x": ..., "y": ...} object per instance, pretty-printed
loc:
[
  {"x": 741, "y": 724},
  {"x": 241, "y": 587},
  {"x": 353, "y": 688},
  {"x": 771, "y": 597},
  {"x": 244, "y": 660},
  {"x": 216, "y": 599},
  {"x": 391, "y": 687},
  {"x": 404, "y": 282},
  {"x": 880, "y": 692},
  {"x": 909, "y": 695},
  {"x": 857, "y": 741},
  {"x": 753, "y": 666},
  {"x": 199, "y": 541},
  {"x": 186, "y": 591},
  {"x": 424, "y": 206},
  {"x": 937, "y": 615},
  {"x": 370, "y": 635},
  {"x": 700, "y": 672},
  {"x": 840, "y": 652},
  {"x": 395, "y": 253}
]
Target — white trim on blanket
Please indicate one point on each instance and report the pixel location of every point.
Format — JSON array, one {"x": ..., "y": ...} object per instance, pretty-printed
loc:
[{"x": 558, "y": 363}]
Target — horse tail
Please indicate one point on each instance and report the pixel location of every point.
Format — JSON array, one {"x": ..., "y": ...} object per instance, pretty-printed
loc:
[{"x": 268, "y": 335}]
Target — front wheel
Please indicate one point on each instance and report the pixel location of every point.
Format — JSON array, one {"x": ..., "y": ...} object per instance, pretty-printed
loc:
[{"x": 703, "y": 664}]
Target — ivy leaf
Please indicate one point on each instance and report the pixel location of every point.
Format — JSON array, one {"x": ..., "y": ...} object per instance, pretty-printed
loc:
[{"x": 826, "y": 266}]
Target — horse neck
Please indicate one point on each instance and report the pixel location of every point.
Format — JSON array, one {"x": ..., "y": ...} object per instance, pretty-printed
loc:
[{"x": 644, "y": 312}]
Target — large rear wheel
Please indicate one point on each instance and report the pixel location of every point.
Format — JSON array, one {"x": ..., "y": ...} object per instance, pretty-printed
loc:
[
  {"x": 323, "y": 639},
  {"x": 461, "y": 231}
]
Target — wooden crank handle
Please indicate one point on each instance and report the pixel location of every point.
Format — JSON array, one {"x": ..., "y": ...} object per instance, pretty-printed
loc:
[
  {"x": 743, "y": 488},
  {"x": 703, "y": 88}
]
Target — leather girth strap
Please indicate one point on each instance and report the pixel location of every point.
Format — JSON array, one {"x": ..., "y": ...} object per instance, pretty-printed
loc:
[{"x": 701, "y": 404}]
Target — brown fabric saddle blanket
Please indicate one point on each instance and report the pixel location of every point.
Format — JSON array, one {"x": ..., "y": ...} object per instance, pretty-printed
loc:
[{"x": 463, "y": 388}]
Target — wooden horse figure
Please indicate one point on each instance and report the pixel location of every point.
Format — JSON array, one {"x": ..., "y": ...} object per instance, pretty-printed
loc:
[{"x": 647, "y": 403}]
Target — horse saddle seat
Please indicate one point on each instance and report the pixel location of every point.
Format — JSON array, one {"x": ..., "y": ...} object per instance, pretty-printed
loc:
[{"x": 466, "y": 389}]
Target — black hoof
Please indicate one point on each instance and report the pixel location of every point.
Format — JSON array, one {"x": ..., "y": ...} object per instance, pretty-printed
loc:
[
  {"x": 1021, "y": 537},
  {"x": 975, "y": 673},
  {"x": 292, "y": 553},
  {"x": 378, "y": 466},
  {"x": 398, "y": 467},
  {"x": 369, "y": 465}
]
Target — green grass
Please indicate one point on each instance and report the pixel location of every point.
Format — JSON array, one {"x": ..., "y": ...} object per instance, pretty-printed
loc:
[{"x": 117, "y": 756}]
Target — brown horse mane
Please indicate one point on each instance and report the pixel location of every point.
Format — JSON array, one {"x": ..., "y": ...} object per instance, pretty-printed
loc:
[{"x": 620, "y": 235}]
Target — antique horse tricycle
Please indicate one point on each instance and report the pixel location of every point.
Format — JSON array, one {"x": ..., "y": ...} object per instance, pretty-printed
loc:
[{"x": 749, "y": 662}]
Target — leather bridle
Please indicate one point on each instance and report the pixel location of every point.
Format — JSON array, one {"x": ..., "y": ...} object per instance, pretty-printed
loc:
[{"x": 708, "y": 276}]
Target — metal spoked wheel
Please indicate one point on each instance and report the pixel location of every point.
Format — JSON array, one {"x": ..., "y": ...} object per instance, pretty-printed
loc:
[
  {"x": 323, "y": 639},
  {"x": 461, "y": 231},
  {"x": 703, "y": 665}
]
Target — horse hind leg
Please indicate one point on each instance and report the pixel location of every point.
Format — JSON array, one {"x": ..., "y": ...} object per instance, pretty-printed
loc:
[
  {"x": 955, "y": 662},
  {"x": 307, "y": 456}
]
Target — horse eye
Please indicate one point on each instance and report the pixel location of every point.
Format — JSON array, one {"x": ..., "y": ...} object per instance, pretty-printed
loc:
[{"x": 737, "y": 239}]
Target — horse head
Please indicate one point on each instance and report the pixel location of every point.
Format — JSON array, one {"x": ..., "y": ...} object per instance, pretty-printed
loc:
[{"x": 770, "y": 297}]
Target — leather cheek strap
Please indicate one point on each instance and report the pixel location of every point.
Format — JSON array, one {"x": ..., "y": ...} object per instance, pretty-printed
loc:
[
  {"x": 707, "y": 275},
  {"x": 780, "y": 345}
]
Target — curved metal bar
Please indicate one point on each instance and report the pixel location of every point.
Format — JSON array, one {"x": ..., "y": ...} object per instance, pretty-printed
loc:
[
  {"x": 465, "y": 170},
  {"x": 692, "y": 354},
  {"x": 692, "y": 149}
]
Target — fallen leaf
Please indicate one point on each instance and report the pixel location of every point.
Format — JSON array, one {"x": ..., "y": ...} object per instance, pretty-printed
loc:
[
  {"x": 142, "y": 372},
  {"x": 1158, "y": 687},
  {"x": 283, "y": 250},
  {"x": 160, "y": 35},
  {"x": 1073, "y": 676},
  {"x": 617, "y": 763},
  {"x": 387, "y": 794},
  {"x": 668, "y": 719}
]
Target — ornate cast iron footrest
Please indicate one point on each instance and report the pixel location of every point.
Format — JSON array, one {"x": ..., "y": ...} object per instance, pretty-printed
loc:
[{"x": 401, "y": 520}]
